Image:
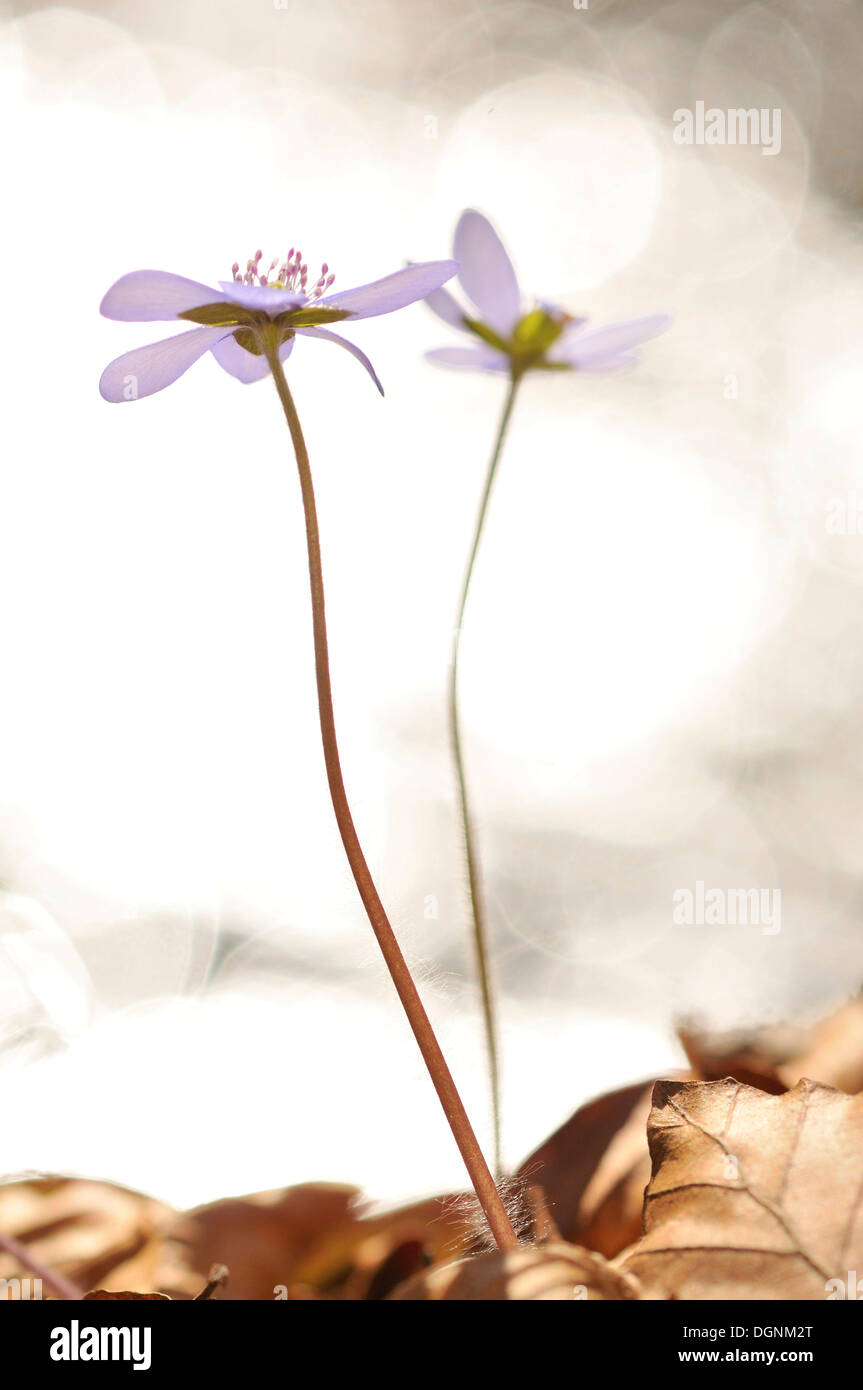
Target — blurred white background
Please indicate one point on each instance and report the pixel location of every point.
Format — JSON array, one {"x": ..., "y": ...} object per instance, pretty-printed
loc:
[{"x": 662, "y": 665}]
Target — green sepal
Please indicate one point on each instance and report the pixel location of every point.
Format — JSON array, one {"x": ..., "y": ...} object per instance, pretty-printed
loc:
[
  {"x": 218, "y": 315},
  {"x": 487, "y": 334},
  {"x": 249, "y": 340},
  {"x": 536, "y": 332},
  {"x": 309, "y": 317},
  {"x": 229, "y": 315},
  {"x": 254, "y": 339}
]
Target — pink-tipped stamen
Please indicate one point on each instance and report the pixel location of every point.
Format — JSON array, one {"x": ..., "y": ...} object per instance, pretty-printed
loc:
[{"x": 292, "y": 274}]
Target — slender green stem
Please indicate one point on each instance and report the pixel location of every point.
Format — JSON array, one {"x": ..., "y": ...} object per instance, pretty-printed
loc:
[
  {"x": 480, "y": 930},
  {"x": 477, "y": 1168}
]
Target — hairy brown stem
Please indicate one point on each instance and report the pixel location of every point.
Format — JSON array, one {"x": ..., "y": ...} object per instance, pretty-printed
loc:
[{"x": 480, "y": 1176}]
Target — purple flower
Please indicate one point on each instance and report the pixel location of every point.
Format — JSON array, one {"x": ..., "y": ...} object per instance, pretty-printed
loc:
[
  {"x": 507, "y": 336},
  {"x": 231, "y": 318}
]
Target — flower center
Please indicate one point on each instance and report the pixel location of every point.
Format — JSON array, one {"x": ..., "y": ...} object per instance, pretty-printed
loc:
[{"x": 292, "y": 274}]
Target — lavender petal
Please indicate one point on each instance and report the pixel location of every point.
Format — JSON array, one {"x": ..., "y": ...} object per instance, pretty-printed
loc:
[
  {"x": 266, "y": 297},
  {"x": 146, "y": 370},
  {"x": 486, "y": 272},
  {"x": 617, "y": 363},
  {"x": 352, "y": 348},
  {"x": 483, "y": 359},
  {"x": 244, "y": 365},
  {"x": 447, "y": 307},
  {"x": 147, "y": 296},
  {"x": 393, "y": 291},
  {"x": 580, "y": 348}
]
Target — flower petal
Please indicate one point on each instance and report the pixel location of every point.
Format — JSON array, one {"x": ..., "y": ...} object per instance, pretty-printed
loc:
[
  {"x": 393, "y": 291},
  {"x": 244, "y": 365},
  {"x": 266, "y": 297},
  {"x": 607, "y": 364},
  {"x": 343, "y": 342},
  {"x": 146, "y": 296},
  {"x": 485, "y": 271},
  {"x": 152, "y": 368},
  {"x": 482, "y": 359},
  {"x": 580, "y": 348},
  {"x": 447, "y": 307}
]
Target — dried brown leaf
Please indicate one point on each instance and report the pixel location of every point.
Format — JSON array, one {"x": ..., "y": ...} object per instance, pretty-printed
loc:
[
  {"x": 103, "y": 1295},
  {"x": 749, "y": 1057},
  {"x": 314, "y": 1240},
  {"x": 554, "y": 1272},
  {"x": 833, "y": 1052},
  {"x": 262, "y": 1238},
  {"x": 93, "y": 1233},
  {"x": 775, "y": 1057},
  {"x": 594, "y": 1169},
  {"x": 752, "y": 1196}
]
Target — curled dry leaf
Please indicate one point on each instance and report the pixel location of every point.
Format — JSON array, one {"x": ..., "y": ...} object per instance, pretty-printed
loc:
[
  {"x": 594, "y": 1169},
  {"x": 382, "y": 1249},
  {"x": 94, "y": 1233},
  {"x": 262, "y": 1238},
  {"x": 314, "y": 1241},
  {"x": 750, "y": 1057},
  {"x": 833, "y": 1053},
  {"x": 775, "y": 1057},
  {"x": 753, "y": 1196},
  {"x": 555, "y": 1272},
  {"x": 103, "y": 1295}
]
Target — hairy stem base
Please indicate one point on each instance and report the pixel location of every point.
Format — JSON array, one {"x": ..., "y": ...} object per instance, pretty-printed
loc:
[{"x": 478, "y": 1170}]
